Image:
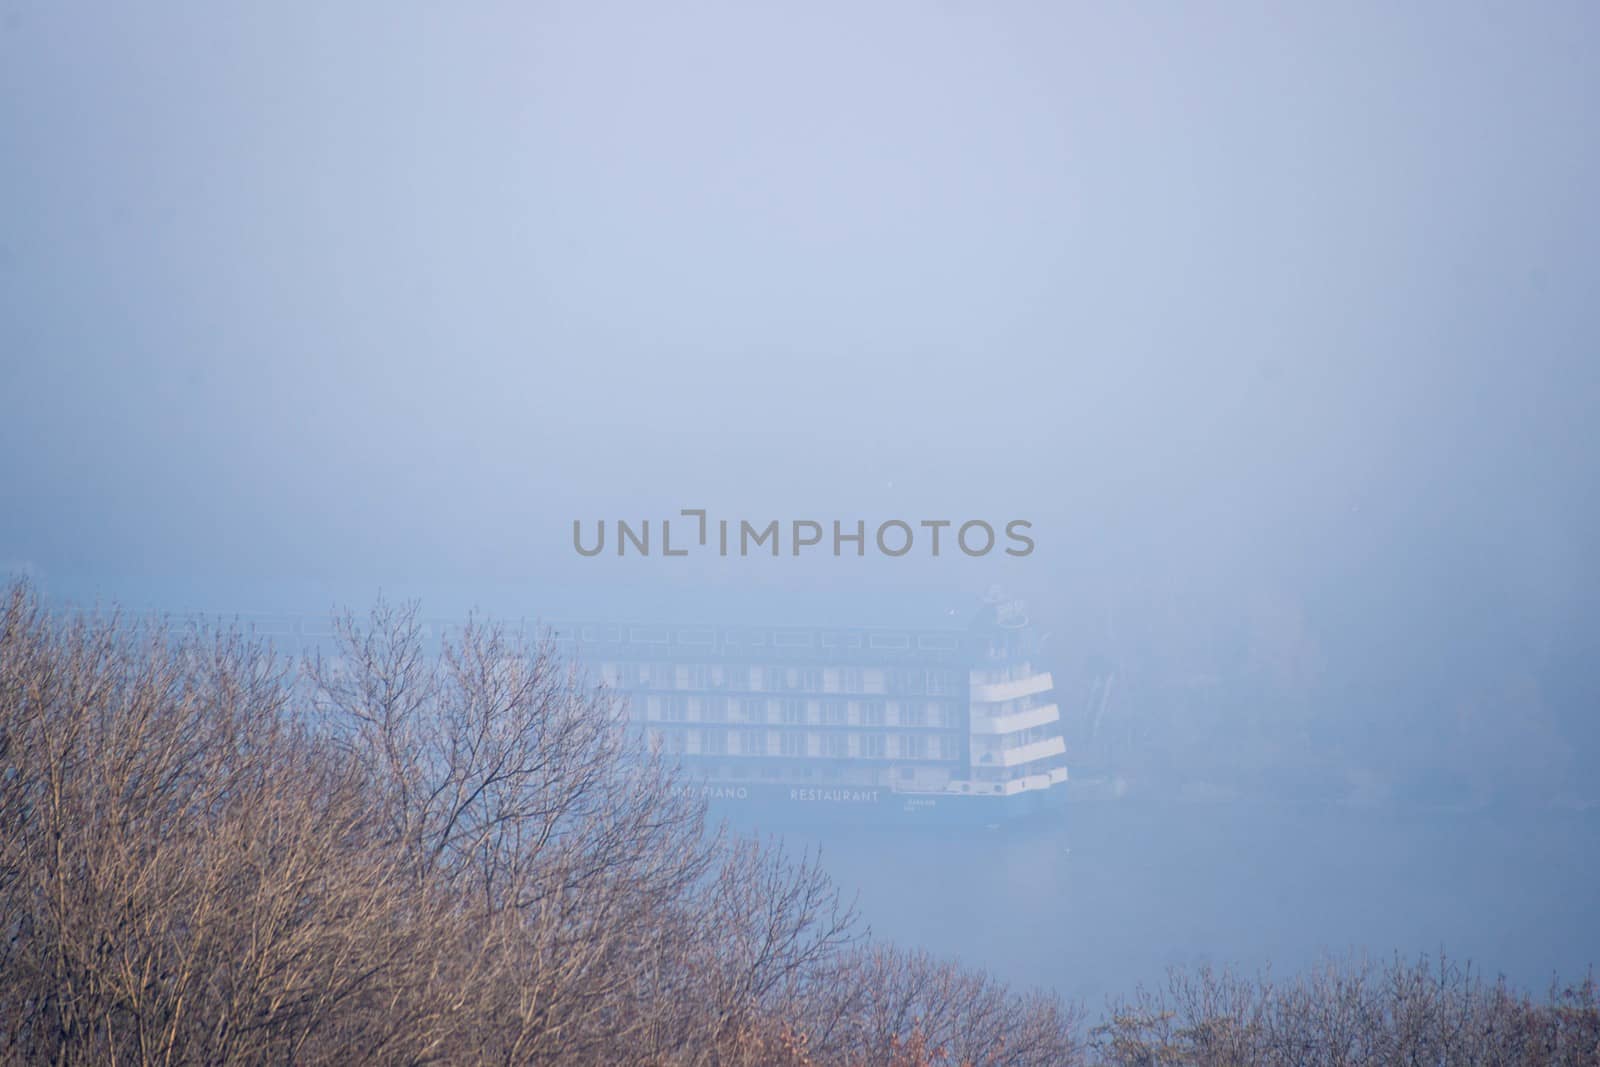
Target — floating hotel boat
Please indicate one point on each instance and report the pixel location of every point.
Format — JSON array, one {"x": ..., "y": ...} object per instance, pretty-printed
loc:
[
  {"x": 787, "y": 725},
  {"x": 792, "y": 725}
]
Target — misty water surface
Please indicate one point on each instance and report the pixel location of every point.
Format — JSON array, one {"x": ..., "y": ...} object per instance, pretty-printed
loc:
[{"x": 1116, "y": 893}]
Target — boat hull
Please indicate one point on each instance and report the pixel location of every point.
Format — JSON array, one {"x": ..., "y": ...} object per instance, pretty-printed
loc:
[{"x": 775, "y": 805}]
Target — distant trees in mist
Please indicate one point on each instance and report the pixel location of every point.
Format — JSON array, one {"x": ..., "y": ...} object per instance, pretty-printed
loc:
[
  {"x": 1269, "y": 691},
  {"x": 209, "y": 854}
]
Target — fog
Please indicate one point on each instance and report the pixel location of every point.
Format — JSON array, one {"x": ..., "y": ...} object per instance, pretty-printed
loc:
[{"x": 1278, "y": 326}]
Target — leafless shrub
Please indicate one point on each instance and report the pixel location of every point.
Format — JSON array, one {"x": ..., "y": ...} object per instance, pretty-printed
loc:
[
  {"x": 888, "y": 1004},
  {"x": 1349, "y": 1014}
]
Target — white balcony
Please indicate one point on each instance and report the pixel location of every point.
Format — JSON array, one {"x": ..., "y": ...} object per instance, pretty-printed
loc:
[
  {"x": 999, "y": 692},
  {"x": 1038, "y": 750},
  {"x": 1016, "y": 722}
]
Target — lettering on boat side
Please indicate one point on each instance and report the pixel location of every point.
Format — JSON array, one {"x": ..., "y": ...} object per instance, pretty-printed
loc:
[
  {"x": 717, "y": 792},
  {"x": 839, "y": 796}
]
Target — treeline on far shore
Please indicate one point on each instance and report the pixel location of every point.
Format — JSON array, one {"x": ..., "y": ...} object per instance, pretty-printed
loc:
[{"x": 394, "y": 854}]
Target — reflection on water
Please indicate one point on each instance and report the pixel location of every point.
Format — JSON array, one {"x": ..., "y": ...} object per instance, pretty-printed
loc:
[{"x": 1113, "y": 894}]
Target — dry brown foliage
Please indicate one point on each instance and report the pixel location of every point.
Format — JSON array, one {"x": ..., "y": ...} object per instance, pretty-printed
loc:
[
  {"x": 406, "y": 853},
  {"x": 1351, "y": 1014},
  {"x": 394, "y": 853}
]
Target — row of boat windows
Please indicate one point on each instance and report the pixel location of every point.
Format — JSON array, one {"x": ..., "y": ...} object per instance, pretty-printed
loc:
[
  {"x": 774, "y": 679},
  {"x": 799, "y": 743},
  {"x": 796, "y": 711}
]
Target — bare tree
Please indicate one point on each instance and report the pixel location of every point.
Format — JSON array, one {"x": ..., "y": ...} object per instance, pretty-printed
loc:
[
  {"x": 516, "y": 789},
  {"x": 167, "y": 899}
]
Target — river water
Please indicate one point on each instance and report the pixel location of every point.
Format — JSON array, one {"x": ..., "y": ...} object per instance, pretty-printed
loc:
[{"x": 1112, "y": 894}]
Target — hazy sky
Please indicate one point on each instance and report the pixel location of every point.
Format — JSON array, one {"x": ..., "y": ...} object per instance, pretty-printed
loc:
[{"x": 301, "y": 299}]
